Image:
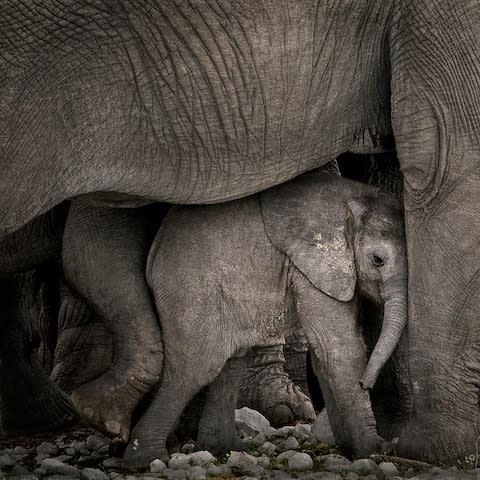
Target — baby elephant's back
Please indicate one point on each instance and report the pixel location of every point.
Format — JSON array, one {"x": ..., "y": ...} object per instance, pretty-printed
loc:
[{"x": 217, "y": 251}]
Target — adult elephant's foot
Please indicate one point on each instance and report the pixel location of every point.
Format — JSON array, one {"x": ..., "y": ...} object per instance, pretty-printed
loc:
[
  {"x": 437, "y": 438},
  {"x": 268, "y": 389},
  {"x": 108, "y": 402}
]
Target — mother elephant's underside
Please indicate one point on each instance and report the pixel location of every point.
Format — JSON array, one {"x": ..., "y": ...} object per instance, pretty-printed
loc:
[{"x": 204, "y": 101}]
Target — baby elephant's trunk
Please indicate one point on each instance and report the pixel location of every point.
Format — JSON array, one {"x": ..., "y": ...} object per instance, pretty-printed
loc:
[{"x": 394, "y": 294}]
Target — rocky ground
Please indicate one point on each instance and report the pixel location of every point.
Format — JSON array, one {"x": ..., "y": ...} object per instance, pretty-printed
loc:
[{"x": 296, "y": 451}]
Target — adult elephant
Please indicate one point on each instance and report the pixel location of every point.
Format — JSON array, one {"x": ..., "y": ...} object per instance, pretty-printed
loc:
[{"x": 205, "y": 101}]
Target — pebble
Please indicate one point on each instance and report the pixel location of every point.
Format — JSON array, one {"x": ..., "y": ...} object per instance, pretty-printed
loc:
[
  {"x": 6, "y": 462},
  {"x": 388, "y": 469},
  {"x": 201, "y": 458},
  {"x": 197, "y": 473},
  {"x": 321, "y": 429},
  {"x": 300, "y": 461},
  {"x": 268, "y": 447},
  {"x": 47, "y": 448},
  {"x": 302, "y": 431},
  {"x": 286, "y": 455},
  {"x": 93, "y": 474},
  {"x": 53, "y": 466},
  {"x": 242, "y": 462},
  {"x": 157, "y": 466},
  {"x": 363, "y": 466},
  {"x": 335, "y": 462},
  {"x": 291, "y": 443}
]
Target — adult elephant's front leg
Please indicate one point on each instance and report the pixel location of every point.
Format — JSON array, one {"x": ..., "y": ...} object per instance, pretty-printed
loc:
[
  {"x": 436, "y": 106},
  {"x": 104, "y": 256}
]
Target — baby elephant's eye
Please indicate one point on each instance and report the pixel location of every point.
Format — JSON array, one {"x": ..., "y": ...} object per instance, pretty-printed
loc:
[{"x": 378, "y": 261}]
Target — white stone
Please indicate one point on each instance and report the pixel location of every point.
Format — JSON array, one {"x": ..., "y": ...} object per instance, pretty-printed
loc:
[
  {"x": 300, "y": 461},
  {"x": 252, "y": 422},
  {"x": 268, "y": 448},
  {"x": 201, "y": 458},
  {"x": 157, "y": 466},
  {"x": 52, "y": 466},
  {"x": 335, "y": 463},
  {"x": 302, "y": 431},
  {"x": 197, "y": 473},
  {"x": 388, "y": 469},
  {"x": 291, "y": 443},
  {"x": 286, "y": 455},
  {"x": 321, "y": 429},
  {"x": 363, "y": 466},
  {"x": 242, "y": 462},
  {"x": 179, "y": 461}
]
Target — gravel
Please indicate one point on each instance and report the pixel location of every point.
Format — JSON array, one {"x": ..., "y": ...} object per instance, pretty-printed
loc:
[{"x": 291, "y": 452}]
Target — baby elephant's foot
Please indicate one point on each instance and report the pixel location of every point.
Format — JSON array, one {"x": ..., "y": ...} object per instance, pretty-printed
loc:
[
  {"x": 270, "y": 391},
  {"x": 139, "y": 457},
  {"x": 108, "y": 402}
]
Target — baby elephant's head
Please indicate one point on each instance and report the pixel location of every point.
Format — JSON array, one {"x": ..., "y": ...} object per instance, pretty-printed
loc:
[
  {"x": 375, "y": 228},
  {"x": 344, "y": 237}
]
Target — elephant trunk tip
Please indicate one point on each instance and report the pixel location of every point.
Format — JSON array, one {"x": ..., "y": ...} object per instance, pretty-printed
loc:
[{"x": 369, "y": 378}]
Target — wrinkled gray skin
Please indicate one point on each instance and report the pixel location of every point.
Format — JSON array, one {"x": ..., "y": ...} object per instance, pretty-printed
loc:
[
  {"x": 199, "y": 101},
  {"x": 226, "y": 278}
]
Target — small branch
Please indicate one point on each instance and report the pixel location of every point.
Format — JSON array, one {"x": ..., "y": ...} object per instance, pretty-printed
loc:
[{"x": 402, "y": 461}]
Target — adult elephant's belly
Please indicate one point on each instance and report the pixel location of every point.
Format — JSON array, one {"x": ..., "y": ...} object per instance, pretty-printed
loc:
[{"x": 185, "y": 102}]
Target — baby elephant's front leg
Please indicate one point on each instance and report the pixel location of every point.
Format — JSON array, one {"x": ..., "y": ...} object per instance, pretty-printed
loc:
[{"x": 216, "y": 430}]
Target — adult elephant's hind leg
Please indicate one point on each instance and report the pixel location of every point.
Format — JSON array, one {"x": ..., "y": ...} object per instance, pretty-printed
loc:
[
  {"x": 104, "y": 257},
  {"x": 216, "y": 431}
]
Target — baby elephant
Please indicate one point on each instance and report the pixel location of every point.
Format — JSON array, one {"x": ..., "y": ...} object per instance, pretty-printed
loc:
[{"x": 227, "y": 277}]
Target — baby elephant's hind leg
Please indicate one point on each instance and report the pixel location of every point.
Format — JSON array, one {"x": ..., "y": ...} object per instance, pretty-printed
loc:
[{"x": 216, "y": 431}]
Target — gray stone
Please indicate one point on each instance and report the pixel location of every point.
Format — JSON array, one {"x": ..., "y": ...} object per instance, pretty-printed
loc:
[
  {"x": 41, "y": 457},
  {"x": 26, "y": 476},
  {"x": 282, "y": 432},
  {"x": 321, "y": 429},
  {"x": 300, "y": 461},
  {"x": 363, "y": 466},
  {"x": 268, "y": 447},
  {"x": 350, "y": 476},
  {"x": 53, "y": 466},
  {"x": 47, "y": 448},
  {"x": 321, "y": 476},
  {"x": 188, "y": 448},
  {"x": 6, "y": 462},
  {"x": 263, "y": 461},
  {"x": 113, "y": 462},
  {"x": 40, "y": 472},
  {"x": 259, "y": 439},
  {"x": 252, "y": 422},
  {"x": 64, "y": 458},
  {"x": 201, "y": 458},
  {"x": 93, "y": 474},
  {"x": 335, "y": 462},
  {"x": 291, "y": 443},
  {"x": 242, "y": 462},
  {"x": 96, "y": 442},
  {"x": 286, "y": 455},
  {"x": 16, "y": 471},
  {"x": 2, "y": 476},
  {"x": 70, "y": 451},
  {"x": 175, "y": 474},
  {"x": 179, "y": 461},
  {"x": 157, "y": 466},
  {"x": 197, "y": 473},
  {"x": 280, "y": 475},
  {"x": 219, "y": 470},
  {"x": 302, "y": 431},
  {"x": 388, "y": 469},
  {"x": 21, "y": 450},
  {"x": 436, "y": 470}
]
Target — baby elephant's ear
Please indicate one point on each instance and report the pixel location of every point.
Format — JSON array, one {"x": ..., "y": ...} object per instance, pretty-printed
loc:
[{"x": 308, "y": 222}]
